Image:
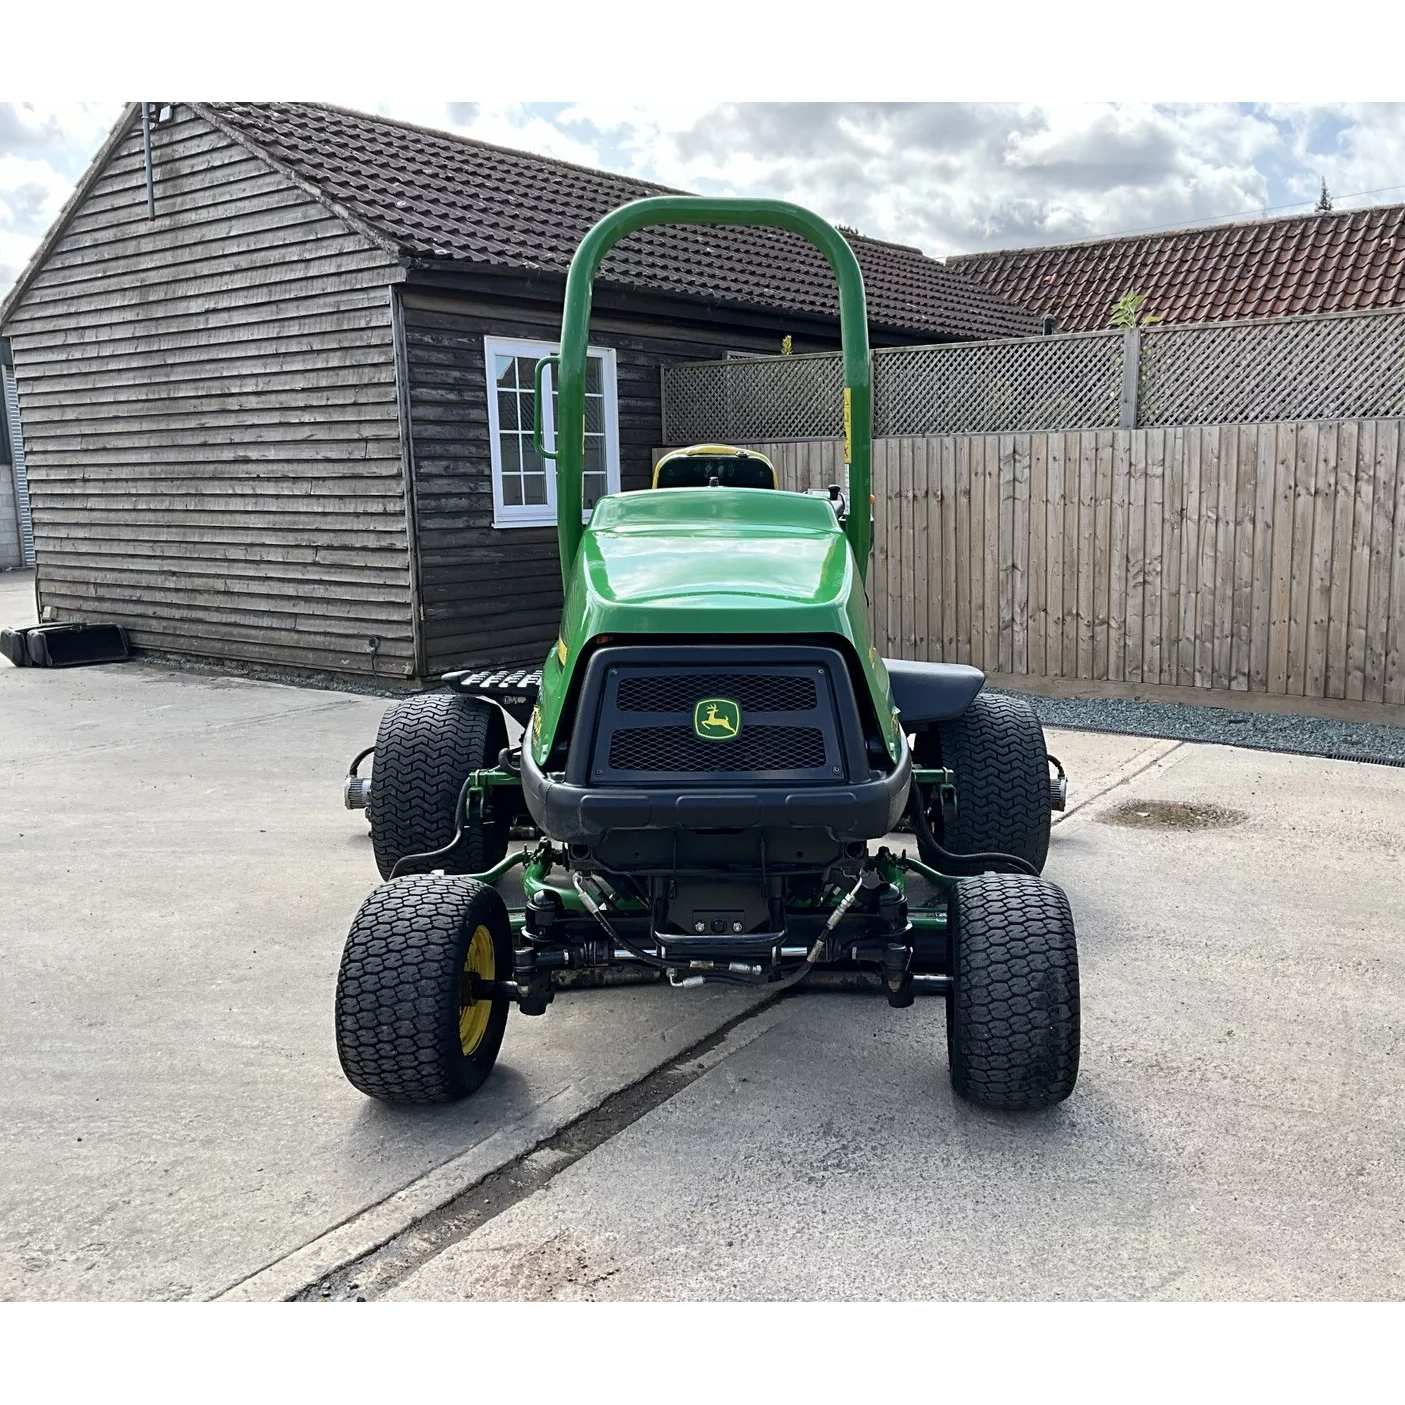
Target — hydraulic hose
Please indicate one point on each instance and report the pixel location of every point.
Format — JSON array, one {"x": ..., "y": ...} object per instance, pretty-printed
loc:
[
  {"x": 925, "y": 837},
  {"x": 598, "y": 913},
  {"x": 816, "y": 951},
  {"x": 449, "y": 848}
]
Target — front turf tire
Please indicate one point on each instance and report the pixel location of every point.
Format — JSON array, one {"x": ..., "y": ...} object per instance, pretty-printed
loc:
[
  {"x": 409, "y": 1029},
  {"x": 1012, "y": 1022}
]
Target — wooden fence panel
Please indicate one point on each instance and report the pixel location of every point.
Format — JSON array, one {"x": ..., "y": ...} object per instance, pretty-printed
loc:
[
  {"x": 1259, "y": 558},
  {"x": 1155, "y": 531},
  {"x": 1395, "y": 637},
  {"x": 1072, "y": 464},
  {"x": 1038, "y": 551},
  {"x": 948, "y": 547},
  {"x": 1172, "y": 537},
  {"x": 990, "y": 546},
  {"x": 1136, "y": 561},
  {"x": 1245, "y": 526},
  {"x": 1054, "y": 557},
  {"x": 1386, "y": 530},
  {"x": 1117, "y": 558},
  {"x": 1264, "y": 539}
]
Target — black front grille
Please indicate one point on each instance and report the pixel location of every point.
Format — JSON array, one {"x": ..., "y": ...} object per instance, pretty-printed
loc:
[
  {"x": 638, "y": 719},
  {"x": 678, "y": 749},
  {"x": 752, "y": 692}
]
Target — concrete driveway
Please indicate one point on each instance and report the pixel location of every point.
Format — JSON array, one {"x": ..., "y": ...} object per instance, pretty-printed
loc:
[
  {"x": 1238, "y": 1130},
  {"x": 180, "y": 877},
  {"x": 173, "y": 1122}
]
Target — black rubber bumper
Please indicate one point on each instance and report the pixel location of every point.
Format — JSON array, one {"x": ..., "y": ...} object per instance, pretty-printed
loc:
[{"x": 577, "y": 814}]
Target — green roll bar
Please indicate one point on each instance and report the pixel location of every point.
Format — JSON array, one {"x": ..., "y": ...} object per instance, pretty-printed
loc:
[{"x": 575, "y": 336}]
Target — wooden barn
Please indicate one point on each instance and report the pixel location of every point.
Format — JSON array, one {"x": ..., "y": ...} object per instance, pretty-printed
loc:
[{"x": 273, "y": 364}]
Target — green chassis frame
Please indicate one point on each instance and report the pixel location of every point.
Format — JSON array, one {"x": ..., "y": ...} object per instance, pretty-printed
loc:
[{"x": 536, "y": 863}]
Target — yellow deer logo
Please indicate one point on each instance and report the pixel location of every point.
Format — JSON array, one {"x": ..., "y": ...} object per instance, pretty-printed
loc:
[{"x": 718, "y": 719}]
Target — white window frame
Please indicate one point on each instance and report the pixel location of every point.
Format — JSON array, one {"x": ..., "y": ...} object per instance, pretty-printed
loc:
[{"x": 544, "y": 515}]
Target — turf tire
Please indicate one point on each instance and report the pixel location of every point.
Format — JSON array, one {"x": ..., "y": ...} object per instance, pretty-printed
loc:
[
  {"x": 425, "y": 748},
  {"x": 400, "y": 990},
  {"x": 996, "y": 751},
  {"x": 1012, "y": 1024}
]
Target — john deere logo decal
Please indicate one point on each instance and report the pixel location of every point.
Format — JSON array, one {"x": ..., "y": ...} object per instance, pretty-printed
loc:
[{"x": 717, "y": 718}]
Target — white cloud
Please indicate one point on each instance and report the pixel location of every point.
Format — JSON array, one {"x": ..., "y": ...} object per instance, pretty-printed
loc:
[
  {"x": 44, "y": 148},
  {"x": 948, "y": 177}
]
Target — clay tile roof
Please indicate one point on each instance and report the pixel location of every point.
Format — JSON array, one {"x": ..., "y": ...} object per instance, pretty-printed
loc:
[
  {"x": 439, "y": 196},
  {"x": 1338, "y": 262}
]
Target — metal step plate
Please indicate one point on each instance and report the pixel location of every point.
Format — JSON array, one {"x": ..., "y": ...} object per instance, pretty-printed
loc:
[{"x": 514, "y": 690}]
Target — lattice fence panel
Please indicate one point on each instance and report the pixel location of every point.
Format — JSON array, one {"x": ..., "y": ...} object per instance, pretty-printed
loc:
[
  {"x": 775, "y": 397},
  {"x": 1069, "y": 382},
  {"x": 1307, "y": 368},
  {"x": 1343, "y": 366}
]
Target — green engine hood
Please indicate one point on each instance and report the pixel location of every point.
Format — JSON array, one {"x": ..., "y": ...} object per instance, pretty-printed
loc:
[
  {"x": 672, "y": 559},
  {"x": 740, "y": 561}
]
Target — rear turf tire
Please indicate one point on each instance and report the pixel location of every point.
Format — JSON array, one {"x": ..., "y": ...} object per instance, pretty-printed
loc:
[
  {"x": 408, "y": 1027},
  {"x": 1012, "y": 1024},
  {"x": 425, "y": 749},
  {"x": 996, "y": 750}
]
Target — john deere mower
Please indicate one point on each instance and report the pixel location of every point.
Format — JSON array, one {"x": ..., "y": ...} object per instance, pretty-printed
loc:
[{"x": 710, "y": 759}]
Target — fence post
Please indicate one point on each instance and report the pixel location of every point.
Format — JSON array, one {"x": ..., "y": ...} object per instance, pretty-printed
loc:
[{"x": 1131, "y": 367}]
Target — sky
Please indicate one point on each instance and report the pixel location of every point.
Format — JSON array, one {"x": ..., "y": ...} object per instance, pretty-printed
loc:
[{"x": 946, "y": 177}]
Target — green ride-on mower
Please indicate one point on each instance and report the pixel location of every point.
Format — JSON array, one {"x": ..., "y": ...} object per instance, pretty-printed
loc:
[{"x": 711, "y": 755}]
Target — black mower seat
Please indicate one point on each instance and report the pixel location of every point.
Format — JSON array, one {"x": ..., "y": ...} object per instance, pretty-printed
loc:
[
  {"x": 697, "y": 466},
  {"x": 932, "y": 692}
]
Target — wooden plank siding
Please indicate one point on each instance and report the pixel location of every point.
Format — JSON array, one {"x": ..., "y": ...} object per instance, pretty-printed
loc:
[
  {"x": 492, "y": 595},
  {"x": 1257, "y": 558},
  {"x": 210, "y": 415}
]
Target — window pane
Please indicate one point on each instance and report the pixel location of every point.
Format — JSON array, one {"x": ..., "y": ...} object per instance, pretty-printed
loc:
[
  {"x": 507, "y": 410},
  {"x": 592, "y": 375},
  {"x": 511, "y": 453},
  {"x": 503, "y": 370},
  {"x": 594, "y": 453},
  {"x": 594, "y": 414},
  {"x": 593, "y": 488},
  {"x": 526, "y": 369},
  {"x": 511, "y": 490},
  {"x": 534, "y": 489}
]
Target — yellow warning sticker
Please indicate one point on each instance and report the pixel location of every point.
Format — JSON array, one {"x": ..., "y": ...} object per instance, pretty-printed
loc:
[{"x": 848, "y": 424}]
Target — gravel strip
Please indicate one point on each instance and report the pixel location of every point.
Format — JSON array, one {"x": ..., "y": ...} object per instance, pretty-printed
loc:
[{"x": 1261, "y": 731}]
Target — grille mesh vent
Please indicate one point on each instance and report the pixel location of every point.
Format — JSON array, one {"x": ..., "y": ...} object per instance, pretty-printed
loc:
[
  {"x": 679, "y": 749},
  {"x": 751, "y": 692}
]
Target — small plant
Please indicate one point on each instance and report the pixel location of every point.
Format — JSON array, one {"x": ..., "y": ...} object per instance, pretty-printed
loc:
[
  {"x": 1324, "y": 201},
  {"x": 1127, "y": 314},
  {"x": 787, "y": 345}
]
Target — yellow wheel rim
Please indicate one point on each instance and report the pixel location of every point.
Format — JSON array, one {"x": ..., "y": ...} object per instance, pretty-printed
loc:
[{"x": 473, "y": 1014}]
